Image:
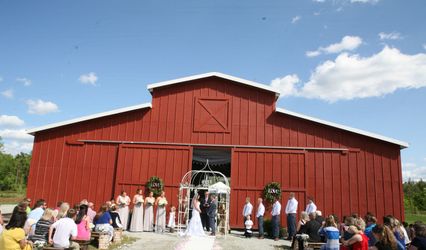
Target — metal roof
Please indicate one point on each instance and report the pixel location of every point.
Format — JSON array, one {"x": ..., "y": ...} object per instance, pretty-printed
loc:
[
  {"x": 152, "y": 86},
  {"x": 344, "y": 127},
  {"x": 88, "y": 117}
]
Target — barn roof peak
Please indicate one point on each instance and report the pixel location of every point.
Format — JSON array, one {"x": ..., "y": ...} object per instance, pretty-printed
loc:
[{"x": 152, "y": 86}]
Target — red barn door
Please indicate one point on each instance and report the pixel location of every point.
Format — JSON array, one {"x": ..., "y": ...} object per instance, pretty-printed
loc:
[
  {"x": 252, "y": 169},
  {"x": 137, "y": 163}
]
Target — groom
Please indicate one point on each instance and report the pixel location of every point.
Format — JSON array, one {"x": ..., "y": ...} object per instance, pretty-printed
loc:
[{"x": 211, "y": 212}]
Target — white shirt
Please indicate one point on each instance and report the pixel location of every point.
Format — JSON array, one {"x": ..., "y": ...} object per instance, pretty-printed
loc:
[
  {"x": 248, "y": 208},
  {"x": 291, "y": 207},
  {"x": 276, "y": 208},
  {"x": 65, "y": 228},
  {"x": 310, "y": 208},
  {"x": 248, "y": 224},
  {"x": 260, "y": 210}
]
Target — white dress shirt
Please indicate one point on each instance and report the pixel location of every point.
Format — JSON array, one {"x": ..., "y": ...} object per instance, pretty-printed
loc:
[
  {"x": 276, "y": 208},
  {"x": 310, "y": 208},
  {"x": 248, "y": 208},
  {"x": 291, "y": 207},
  {"x": 260, "y": 210}
]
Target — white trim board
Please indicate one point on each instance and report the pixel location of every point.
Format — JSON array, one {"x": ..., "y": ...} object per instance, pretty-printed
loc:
[
  {"x": 152, "y": 86},
  {"x": 402, "y": 144},
  {"x": 89, "y": 117}
]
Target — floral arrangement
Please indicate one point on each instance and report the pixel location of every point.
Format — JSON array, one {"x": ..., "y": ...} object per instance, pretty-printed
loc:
[
  {"x": 155, "y": 185},
  {"x": 162, "y": 202},
  {"x": 39, "y": 244},
  {"x": 272, "y": 190},
  {"x": 139, "y": 200},
  {"x": 150, "y": 201}
]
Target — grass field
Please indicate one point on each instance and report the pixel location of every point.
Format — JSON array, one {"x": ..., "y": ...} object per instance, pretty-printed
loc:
[
  {"x": 411, "y": 218},
  {"x": 11, "y": 197}
]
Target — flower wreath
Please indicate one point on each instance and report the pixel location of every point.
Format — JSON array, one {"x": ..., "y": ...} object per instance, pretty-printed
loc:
[
  {"x": 272, "y": 190},
  {"x": 155, "y": 185}
]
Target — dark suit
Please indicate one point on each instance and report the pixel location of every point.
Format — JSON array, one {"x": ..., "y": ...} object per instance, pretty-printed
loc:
[
  {"x": 205, "y": 204},
  {"x": 211, "y": 212}
]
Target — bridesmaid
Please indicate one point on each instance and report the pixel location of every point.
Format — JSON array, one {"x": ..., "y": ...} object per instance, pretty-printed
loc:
[
  {"x": 136, "y": 224},
  {"x": 149, "y": 213},
  {"x": 160, "y": 220},
  {"x": 123, "y": 202}
]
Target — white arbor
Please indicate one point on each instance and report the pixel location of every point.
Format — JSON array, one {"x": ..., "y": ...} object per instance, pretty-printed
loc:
[{"x": 204, "y": 180}]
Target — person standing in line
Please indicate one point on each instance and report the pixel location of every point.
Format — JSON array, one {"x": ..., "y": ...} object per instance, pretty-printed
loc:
[
  {"x": 291, "y": 210},
  {"x": 136, "y": 224},
  {"x": 259, "y": 216},
  {"x": 248, "y": 208},
  {"x": 212, "y": 212},
  {"x": 123, "y": 202},
  {"x": 310, "y": 207},
  {"x": 160, "y": 219},
  {"x": 148, "y": 221},
  {"x": 276, "y": 211}
]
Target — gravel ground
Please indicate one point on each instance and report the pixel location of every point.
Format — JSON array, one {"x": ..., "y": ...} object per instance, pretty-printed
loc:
[{"x": 234, "y": 241}]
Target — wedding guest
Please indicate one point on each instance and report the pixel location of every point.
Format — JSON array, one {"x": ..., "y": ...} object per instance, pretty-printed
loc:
[
  {"x": 123, "y": 202},
  {"x": 248, "y": 224},
  {"x": 276, "y": 211},
  {"x": 247, "y": 209},
  {"x": 65, "y": 228},
  {"x": 1, "y": 222},
  {"x": 35, "y": 215},
  {"x": 91, "y": 211},
  {"x": 83, "y": 223},
  {"x": 310, "y": 207},
  {"x": 359, "y": 241},
  {"x": 300, "y": 229},
  {"x": 319, "y": 217},
  {"x": 172, "y": 219},
  {"x": 58, "y": 206},
  {"x": 312, "y": 227},
  {"x": 63, "y": 210},
  {"x": 291, "y": 210},
  {"x": 136, "y": 225},
  {"x": 419, "y": 240},
  {"x": 371, "y": 223},
  {"x": 28, "y": 201},
  {"x": 160, "y": 219},
  {"x": 13, "y": 235},
  {"x": 115, "y": 217},
  {"x": 41, "y": 232},
  {"x": 389, "y": 221},
  {"x": 148, "y": 223},
  {"x": 385, "y": 240},
  {"x": 103, "y": 221},
  {"x": 331, "y": 233},
  {"x": 259, "y": 216},
  {"x": 205, "y": 204}
]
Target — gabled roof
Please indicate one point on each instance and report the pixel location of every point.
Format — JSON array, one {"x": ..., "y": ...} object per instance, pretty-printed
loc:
[
  {"x": 152, "y": 86},
  {"x": 89, "y": 117},
  {"x": 343, "y": 127}
]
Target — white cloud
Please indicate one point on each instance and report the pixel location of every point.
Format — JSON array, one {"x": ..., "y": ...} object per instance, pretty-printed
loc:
[
  {"x": 346, "y": 44},
  {"x": 15, "y": 147},
  {"x": 41, "y": 107},
  {"x": 345, "y": 1},
  {"x": 7, "y": 93},
  {"x": 89, "y": 78},
  {"x": 295, "y": 19},
  {"x": 413, "y": 172},
  {"x": 390, "y": 36},
  {"x": 286, "y": 85},
  {"x": 365, "y": 1},
  {"x": 16, "y": 134},
  {"x": 351, "y": 76},
  {"x": 25, "y": 81},
  {"x": 10, "y": 121}
]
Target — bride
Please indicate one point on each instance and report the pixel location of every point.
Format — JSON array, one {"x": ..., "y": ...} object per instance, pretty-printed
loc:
[{"x": 195, "y": 227}]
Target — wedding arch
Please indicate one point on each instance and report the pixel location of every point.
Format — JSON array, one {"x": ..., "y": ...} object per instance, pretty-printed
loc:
[{"x": 204, "y": 179}]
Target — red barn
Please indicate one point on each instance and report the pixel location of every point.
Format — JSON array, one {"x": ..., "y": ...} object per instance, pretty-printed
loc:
[{"x": 221, "y": 117}]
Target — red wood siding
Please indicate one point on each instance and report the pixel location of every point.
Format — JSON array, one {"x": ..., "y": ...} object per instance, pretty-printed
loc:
[{"x": 368, "y": 178}]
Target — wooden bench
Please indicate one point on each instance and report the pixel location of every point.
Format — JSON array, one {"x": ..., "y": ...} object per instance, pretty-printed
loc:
[
  {"x": 54, "y": 248},
  {"x": 99, "y": 238},
  {"x": 84, "y": 244},
  {"x": 315, "y": 245}
]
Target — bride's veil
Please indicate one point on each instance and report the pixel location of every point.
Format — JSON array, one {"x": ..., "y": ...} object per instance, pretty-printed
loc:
[{"x": 194, "y": 199}]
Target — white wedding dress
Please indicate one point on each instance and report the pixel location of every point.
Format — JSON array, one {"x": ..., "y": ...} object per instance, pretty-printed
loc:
[{"x": 195, "y": 227}]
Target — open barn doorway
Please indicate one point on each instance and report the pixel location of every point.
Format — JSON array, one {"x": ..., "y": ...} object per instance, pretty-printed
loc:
[{"x": 219, "y": 159}]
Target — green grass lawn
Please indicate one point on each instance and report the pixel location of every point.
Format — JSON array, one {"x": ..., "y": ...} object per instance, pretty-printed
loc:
[
  {"x": 11, "y": 197},
  {"x": 411, "y": 218}
]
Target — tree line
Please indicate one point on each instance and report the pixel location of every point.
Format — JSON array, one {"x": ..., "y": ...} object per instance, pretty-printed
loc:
[
  {"x": 13, "y": 170},
  {"x": 414, "y": 196}
]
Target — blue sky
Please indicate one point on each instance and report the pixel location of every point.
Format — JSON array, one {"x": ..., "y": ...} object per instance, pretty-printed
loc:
[{"x": 361, "y": 63}]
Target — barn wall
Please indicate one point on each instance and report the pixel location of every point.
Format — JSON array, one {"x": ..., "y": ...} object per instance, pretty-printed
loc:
[{"x": 368, "y": 178}]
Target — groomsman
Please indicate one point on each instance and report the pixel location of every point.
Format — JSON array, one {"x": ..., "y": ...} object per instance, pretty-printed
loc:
[
  {"x": 248, "y": 208},
  {"x": 291, "y": 210},
  {"x": 311, "y": 207},
  {"x": 259, "y": 216},
  {"x": 205, "y": 204},
  {"x": 276, "y": 211}
]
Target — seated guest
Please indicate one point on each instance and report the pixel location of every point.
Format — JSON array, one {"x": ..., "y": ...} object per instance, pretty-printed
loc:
[
  {"x": 331, "y": 233},
  {"x": 349, "y": 221},
  {"x": 358, "y": 241},
  {"x": 91, "y": 211},
  {"x": 312, "y": 227},
  {"x": 319, "y": 217},
  {"x": 385, "y": 240},
  {"x": 248, "y": 224},
  {"x": 35, "y": 215},
  {"x": 371, "y": 223},
  {"x": 1, "y": 222},
  {"x": 63, "y": 210},
  {"x": 389, "y": 221},
  {"x": 13, "y": 236},
  {"x": 41, "y": 232},
  {"x": 419, "y": 240},
  {"x": 115, "y": 217},
  {"x": 65, "y": 228},
  {"x": 103, "y": 221},
  {"x": 300, "y": 229},
  {"x": 83, "y": 223}
]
